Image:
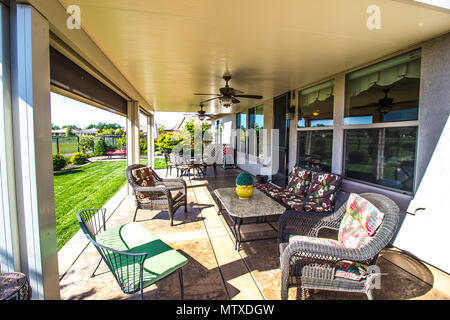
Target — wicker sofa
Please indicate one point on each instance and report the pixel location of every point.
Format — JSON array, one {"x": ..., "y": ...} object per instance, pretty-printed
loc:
[{"x": 308, "y": 190}]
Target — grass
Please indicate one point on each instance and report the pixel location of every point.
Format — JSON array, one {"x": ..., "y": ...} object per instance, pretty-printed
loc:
[
  {"x": 87, "y": 187},
  {"x": 160, "y": 163}
]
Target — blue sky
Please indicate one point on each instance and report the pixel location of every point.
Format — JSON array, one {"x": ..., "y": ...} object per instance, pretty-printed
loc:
[{"x": 66, "y": 111}]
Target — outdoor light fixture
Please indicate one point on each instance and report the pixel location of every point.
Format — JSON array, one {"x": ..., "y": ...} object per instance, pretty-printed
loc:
[
  {"x": 316, "y": 113},
  {"x": 290, "y": 113},
  {"x": 201, "y": 117},
  {"x": 226, "y": 102}
]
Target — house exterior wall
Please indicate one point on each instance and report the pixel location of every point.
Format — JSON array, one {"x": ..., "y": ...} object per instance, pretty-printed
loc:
[{"x": 434, "y": 110}]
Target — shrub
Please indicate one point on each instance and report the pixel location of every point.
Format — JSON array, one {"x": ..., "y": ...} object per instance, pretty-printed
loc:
[
  {"x": 143, "y": 145},
  {"x": 59, "y": 161},
  {"x": 166, "y": 142},
  {"x": 78, "y": 158},
  {"x": 244, "y": 179},
  {"x": 100, "y": 147},
  {"x": 87, "y": 144}
]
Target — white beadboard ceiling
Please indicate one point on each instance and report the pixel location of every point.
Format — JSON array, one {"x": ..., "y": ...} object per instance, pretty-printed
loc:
[{"x": 170, "y": 49}]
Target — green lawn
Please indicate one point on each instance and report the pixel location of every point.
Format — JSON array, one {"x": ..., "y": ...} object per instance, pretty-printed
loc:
[
  {"x": 88, "y": 187},
  {"x": 160, "y": 163}
]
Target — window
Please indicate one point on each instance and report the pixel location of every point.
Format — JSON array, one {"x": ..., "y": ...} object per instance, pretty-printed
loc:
[
  {"x": 384, "y": 156},
  {"x": 315, "y": 148},
  {"x": 383, "y": 101},
  {"x": 316, "y": 106},
  {"x": 219, "y": 130},
  {"x": 241, "y": 125},
  {"x": 385, "y": 92},
  {"x": 256, "y": 124}
]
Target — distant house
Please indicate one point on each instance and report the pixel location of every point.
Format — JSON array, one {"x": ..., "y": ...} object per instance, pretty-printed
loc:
[{"x": 84, "y": 132}]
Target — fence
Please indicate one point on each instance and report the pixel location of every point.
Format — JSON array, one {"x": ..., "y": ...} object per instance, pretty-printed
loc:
[{"x": 69, "y": 145}]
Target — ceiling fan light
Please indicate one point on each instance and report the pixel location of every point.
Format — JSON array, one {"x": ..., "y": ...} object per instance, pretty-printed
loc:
[
  {"x": 201, "y": 117},
  {"x": 226, "y": 102}
]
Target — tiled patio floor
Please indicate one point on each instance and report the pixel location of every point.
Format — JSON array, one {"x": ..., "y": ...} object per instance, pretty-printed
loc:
[{"x": 215, "y": 270}]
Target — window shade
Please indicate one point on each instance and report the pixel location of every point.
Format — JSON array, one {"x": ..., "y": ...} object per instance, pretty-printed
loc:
[
  {"x": 386, "y": 73},
  {"x": 320, "y": 92}
]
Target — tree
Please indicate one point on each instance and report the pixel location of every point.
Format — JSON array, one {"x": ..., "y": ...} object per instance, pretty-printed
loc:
[
  {"x": 100, "y": 147},
  {"x": 166, "y": 142},
  {"x": 87, "y": 144},
  {"x": 69, "y": 131},
  {"x": 55, "y": 127}
]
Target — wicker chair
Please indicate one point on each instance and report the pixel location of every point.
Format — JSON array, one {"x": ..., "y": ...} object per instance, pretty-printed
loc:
[
  {"x": 210, "y": 157},
  {"x": 170, "y": 162},
  {"x": 303, "y": 264},
  {"x": 127, "y": 264},
  {"x": 162, "y": 198}
]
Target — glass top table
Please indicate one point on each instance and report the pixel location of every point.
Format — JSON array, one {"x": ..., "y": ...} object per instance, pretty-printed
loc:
[{"x": 259, "y": 207}]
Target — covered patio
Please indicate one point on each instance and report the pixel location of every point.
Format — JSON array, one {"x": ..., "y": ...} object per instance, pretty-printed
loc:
[
  {"x": 358, "y": 89},
  {"x": 216, "y": 271}
]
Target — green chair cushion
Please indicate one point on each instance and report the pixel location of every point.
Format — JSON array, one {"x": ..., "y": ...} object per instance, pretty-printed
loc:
[{"x": 134, "y": 238}]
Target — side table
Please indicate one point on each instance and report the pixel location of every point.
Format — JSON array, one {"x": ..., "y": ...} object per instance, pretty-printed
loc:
[{"x": 14, "y": 286}]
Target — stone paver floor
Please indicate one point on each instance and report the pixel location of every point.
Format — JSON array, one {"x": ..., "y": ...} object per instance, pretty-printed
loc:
[{"x": 215, "y": 270}]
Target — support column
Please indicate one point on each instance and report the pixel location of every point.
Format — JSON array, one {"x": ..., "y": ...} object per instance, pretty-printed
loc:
[
  {"x": 33, "y": 150},
  {"x": 338, "y": 122},
  {"x": 133, "y": 150},
  {"x": 9, "y": 239},
  {"x": 150, "y": 141}
]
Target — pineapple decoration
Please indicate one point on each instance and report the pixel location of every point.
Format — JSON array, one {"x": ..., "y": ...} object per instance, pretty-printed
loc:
[{"x": 244, "y": 185}]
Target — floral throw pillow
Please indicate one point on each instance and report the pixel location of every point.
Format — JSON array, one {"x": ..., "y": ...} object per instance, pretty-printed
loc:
[
  {"x": 359, "y": 223},
  {"x": 144, "y": 178},
  {"x": 299, "y": 181},
  {"x": 322, "y": 184}
]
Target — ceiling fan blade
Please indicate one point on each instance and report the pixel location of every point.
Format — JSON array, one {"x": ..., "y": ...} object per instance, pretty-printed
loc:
[
  {"x": 210, "y": 99},
  {"x": 206, "y": 94},
  {"x": 250, "y": 96},
  {"x": 405, "y": 102},
  {"x": 235, "y": 101},
  {"x": 366, "y": 106},
  {"x": 235, "y": 92}
]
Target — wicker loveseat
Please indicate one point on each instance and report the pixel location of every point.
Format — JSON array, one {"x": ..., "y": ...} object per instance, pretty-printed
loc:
[
  {"x": 308, "y": 190},
  {"x": 310, "y": 262},
  {"x": 152, "y": 192}
]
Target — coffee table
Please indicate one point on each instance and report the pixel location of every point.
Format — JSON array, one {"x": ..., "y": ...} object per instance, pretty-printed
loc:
[{"x": 259, "y": 208}]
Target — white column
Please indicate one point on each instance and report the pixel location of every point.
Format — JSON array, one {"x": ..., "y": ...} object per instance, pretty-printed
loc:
[
  {"x": 9, "y": 241},
  {"x": 338, "y": 122},
  {"x": 33, "y": 150},
  {"x": 133, "y": 150},
  {"x": 150, "y": 141}
]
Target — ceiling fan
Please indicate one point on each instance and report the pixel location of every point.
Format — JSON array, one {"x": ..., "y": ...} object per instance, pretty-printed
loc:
[
  {"x": 201, "y": 114},
  {"x": 386, "y": 104},
  {"x": 228, "y": 96}
]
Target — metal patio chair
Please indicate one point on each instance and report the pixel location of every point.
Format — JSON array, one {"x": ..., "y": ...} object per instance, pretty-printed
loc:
[{"x": 133, "y": 267}]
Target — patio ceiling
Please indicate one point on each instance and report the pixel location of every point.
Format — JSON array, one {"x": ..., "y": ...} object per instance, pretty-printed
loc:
[{"x": 170, "y": 49}]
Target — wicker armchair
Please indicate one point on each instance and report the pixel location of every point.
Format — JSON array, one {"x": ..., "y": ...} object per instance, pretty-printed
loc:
[
  {"x": 162, "y": 197},
  {"x": 311, "y": 265},
  {"x": 170, "y": 162},
  {"x": 210, "y": 157}
]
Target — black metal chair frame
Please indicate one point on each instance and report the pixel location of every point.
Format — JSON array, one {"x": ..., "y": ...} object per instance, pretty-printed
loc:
[{"x": 92, "y": 221}]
